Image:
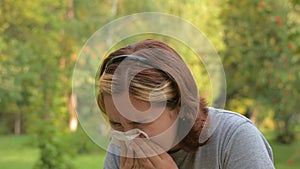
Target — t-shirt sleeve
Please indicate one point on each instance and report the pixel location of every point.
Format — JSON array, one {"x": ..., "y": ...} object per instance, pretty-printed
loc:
[
  {"x": 248, "y": 149},
  {"x": 112, "y": 161}
]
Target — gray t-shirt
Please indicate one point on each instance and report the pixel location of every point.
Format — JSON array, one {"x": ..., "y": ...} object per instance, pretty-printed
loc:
[{"x": 235, "y": 143}]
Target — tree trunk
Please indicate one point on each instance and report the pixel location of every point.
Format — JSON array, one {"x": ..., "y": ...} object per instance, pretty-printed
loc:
[
  {"x": 70, "y": 12},
  {"x": 73, "y": 122},
  {"x": 17, "y": 127},
  {"x": 254, "y": 116}
]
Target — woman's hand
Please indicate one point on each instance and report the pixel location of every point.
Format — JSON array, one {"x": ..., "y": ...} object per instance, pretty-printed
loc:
[{"x": 144, "y": 154}]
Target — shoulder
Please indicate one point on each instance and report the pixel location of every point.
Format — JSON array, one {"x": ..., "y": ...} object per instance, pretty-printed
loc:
[
  {"x": 222, "y": 123},
  {"x": 241, "y": 143},
  {"x": 227, "y": 116},
  {"x": 230, "y": 125}
]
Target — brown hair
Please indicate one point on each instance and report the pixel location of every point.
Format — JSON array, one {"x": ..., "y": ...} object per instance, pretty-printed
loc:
[{"x": 172, "y": 77}]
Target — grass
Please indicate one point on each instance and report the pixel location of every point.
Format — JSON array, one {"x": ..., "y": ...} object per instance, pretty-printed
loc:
[
  {"x": 285, "y": 156},
  {"x": 18, "y": 152}
]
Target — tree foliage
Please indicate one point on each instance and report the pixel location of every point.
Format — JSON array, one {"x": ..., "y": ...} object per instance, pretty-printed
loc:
[
  {"x": 40, "y": 41},
  {"x": 260, "y": 59},
  {"x": 33, "y": 73}
]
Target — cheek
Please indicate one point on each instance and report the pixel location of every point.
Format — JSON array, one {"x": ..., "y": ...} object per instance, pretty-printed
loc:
[
  {"x": 158, "y": 127},
  {"x": 152, "y": 130},
  {"x": 166, "y": 137}
]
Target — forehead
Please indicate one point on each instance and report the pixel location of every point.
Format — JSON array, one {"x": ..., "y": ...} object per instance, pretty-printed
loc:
[
  {"x": 111, "y": 103},
  {"x": 131, "y": 109}
]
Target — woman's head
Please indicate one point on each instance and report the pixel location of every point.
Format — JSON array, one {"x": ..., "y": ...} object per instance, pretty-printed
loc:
[{"x": 149, "y": 83}]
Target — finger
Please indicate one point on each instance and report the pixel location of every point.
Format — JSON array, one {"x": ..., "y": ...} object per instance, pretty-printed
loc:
[
  {"x": 136, "y": 164},
  {"x": 162, "y": 155},
  {"x": 126, "y": 159},
  {"x": 141, "y": 159},
  {"x": 156, "y": 156},
  {"x": 143, "y": 149}
]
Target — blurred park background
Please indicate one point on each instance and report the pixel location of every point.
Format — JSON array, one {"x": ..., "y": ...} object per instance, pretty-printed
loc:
[{"x": 40, "y": 40}]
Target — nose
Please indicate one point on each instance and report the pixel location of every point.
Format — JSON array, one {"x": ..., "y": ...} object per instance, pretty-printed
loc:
[{"x": 128, "y": 127}]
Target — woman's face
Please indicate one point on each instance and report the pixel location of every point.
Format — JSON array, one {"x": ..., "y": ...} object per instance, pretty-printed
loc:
[{"x": 159, "y": 125}]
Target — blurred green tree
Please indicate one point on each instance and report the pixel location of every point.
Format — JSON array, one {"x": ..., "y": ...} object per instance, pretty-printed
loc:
[
  {"x": 33, "y": 71},
  {"x": 259, "y": 60},
  {"x": 16, "y": 55}
]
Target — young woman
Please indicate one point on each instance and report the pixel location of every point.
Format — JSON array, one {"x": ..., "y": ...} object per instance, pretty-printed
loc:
[{"x": 158, "y": 120}]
